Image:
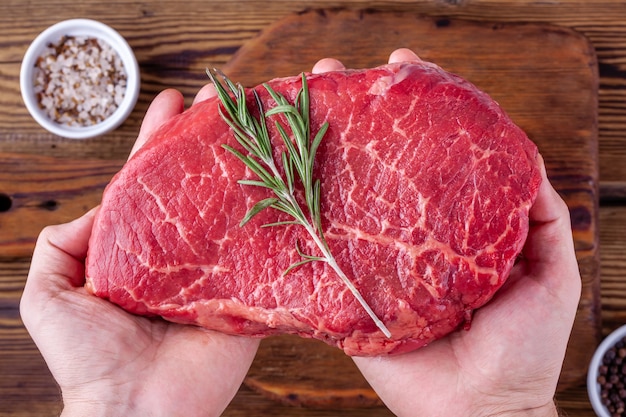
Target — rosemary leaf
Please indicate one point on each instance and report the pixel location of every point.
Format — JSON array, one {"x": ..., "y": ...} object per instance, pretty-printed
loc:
[
  {"x": 306, "y": 260},
  {"x": 255, "y": 183},
  {"x": 300, "y": 263},
  {"x": 256, "y": 209},
  {"x": 285, "y": 223},
  {"x": 317, "y": 216},
  {"x": 317, "y": 140},
  {"x": 252, "y": 163},
  {"x": 288, "y": 168}
]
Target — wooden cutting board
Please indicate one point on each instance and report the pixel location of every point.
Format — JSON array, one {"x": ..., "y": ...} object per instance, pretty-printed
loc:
[{"x": 544, "y": 76}]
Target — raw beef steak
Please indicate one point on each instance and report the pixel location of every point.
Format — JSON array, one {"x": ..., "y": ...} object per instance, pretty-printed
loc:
[{"x": 426, "y": 186}]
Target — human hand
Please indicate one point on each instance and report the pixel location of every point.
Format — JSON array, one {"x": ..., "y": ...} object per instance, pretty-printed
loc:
[
  {"x": 108, "y": 362},
  {"x": 509, "y": 362}
]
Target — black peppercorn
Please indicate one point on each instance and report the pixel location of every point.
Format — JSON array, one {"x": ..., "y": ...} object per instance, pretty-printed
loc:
[{"x": 612, "y": 379}]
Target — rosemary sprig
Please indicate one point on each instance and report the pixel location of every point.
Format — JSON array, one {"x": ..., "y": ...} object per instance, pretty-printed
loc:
[{"x": 297, "y": 163}]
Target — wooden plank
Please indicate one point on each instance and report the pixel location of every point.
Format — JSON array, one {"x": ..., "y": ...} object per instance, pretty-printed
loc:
[
  {"x": 175, "y": 55},
  {"x": 613, "y": 259},
  {"x": 613, "y": 192},
  {"x": 25, "y": 375},
  {"x": 26, "y": 380},
  {"x": 37, "y": 191}
]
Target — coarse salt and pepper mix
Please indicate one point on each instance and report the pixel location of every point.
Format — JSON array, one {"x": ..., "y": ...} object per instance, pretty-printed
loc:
[{"x": 79, "y": 81}]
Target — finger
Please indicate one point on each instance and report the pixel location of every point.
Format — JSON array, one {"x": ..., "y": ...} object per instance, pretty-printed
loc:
[
  {"x": 327, "y": 65},
  {"x": 57, "y": 264},
  {"x": 549, "y": 253},
  {"x": 403, "y": 55},
  {"x": 166, "y": 105},
  {"x": 205, "y": 93},
  {"x": 61, "y": 250},
  {"x": 549, "y": 206},
  {"x": 550, "y": 228}
]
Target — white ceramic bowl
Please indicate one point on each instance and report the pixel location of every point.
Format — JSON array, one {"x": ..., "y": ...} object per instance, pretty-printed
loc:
[
  {"x": 89, "y": 28},
  {"x": 593, "y": 388}
]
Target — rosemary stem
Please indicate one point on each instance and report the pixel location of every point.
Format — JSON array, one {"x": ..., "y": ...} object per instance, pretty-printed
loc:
[
  {"x": 327, "y": 255},
  {"x": 330, "y": 259}
]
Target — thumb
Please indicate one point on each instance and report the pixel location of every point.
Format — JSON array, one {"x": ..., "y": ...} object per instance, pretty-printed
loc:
[
  {"x": 549, "y": 256},
  {"x": 167, "y": 104},
  {"x": 57, "y": 264},
  {"x": 549, "y": 252}
]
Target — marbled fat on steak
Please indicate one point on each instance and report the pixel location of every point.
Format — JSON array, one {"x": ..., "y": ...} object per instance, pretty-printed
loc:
[{"x": 426, "y": 187}]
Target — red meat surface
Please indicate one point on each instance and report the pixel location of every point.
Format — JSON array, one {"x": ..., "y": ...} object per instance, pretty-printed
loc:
[{"x": 426, "y": 186}]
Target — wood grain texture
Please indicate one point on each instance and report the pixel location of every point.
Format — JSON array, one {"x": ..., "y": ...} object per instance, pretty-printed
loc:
[
  {"x": 175, "y": 42},
  {"x": 306, "y": 372},
  {"x": 45, "y": 190},
  {"x": 613, "y": 260},
  {"x": 175, "y": 55}
]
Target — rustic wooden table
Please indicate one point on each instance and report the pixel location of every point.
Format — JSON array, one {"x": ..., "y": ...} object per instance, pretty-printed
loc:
[{"x": 174, "y": 42}]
